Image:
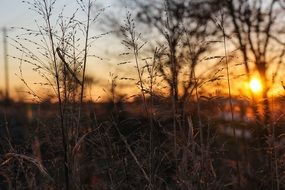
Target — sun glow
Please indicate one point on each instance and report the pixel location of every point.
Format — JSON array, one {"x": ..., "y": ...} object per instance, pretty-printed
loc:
[{"x": 255, "y": 85}]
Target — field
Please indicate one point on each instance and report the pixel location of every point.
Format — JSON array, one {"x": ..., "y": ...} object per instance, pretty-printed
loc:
[{"x": 193, "y": 100}]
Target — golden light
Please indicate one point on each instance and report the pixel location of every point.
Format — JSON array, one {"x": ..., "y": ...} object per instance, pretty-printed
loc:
[{"x": 255, "y": 85}]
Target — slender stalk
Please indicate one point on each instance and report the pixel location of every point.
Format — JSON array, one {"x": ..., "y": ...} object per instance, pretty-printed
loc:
[
  {"x": 63, "y": 132},
  {"x": 274, "y": 149},
  {"x": 230, "y": 97},
  {"x": 123, "y": 138},
  {"x": 136, "y": 55},
  {"x": 174, "y": 93},
  {"x": 133, "y": 44},
  {"x": 84, "y": 67},
  {"x": 199, "y": 124},
  {"x": 151, "y": 71}
]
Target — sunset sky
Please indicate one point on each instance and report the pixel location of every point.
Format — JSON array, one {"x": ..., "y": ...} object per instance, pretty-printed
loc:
[
  {"x": 157, "y": 94},
  {"x": 15, "y": 13}
]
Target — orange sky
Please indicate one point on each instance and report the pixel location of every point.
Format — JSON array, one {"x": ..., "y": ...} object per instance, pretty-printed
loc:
[{"x": 109, "y": 48}]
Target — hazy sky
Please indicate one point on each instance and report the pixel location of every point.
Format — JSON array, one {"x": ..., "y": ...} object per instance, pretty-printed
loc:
[
  {"x": 16, "y": 13},
  {"x": 12, "y": 13}
]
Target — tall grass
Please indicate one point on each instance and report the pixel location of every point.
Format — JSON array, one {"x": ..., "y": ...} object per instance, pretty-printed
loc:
[
  {"x": 158, "y": 141},
  {"x": 62, "y": 63},
  {"x": 230, "y": 93}
]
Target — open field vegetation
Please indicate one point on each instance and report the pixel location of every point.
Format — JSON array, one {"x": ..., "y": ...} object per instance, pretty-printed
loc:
[{"x": 195, "y": 102}]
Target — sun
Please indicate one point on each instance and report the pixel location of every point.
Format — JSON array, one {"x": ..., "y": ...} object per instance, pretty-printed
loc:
[{"x": 255, "y": 85}]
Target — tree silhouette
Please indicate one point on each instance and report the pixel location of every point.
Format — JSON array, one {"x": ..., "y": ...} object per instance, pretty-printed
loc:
[
  {"x": 255, "y": 27},
  {"x": 184, "y": 27}
]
